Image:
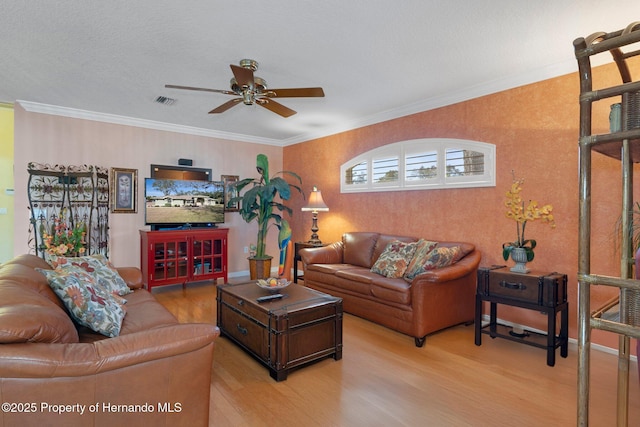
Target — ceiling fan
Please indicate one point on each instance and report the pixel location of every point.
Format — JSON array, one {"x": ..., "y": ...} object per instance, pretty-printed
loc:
[{"x": 253, "y": 90}]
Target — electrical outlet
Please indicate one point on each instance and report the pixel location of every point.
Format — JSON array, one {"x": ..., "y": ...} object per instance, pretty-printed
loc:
[
  {"x": 3, "y": 211},
  {"x": 246, "y": 249}
]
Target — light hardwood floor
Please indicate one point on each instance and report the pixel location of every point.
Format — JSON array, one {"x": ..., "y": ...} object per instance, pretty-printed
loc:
[{"x": 384, "y": 380}]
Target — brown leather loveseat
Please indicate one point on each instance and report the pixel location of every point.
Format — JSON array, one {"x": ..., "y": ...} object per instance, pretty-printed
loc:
[
  {"x": 430, "y": 301},
  {"x": 53, "y": 372}
]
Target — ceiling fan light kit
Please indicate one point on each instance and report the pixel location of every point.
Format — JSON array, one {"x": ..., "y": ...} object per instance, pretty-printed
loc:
[{"x": 253, "y": 90}]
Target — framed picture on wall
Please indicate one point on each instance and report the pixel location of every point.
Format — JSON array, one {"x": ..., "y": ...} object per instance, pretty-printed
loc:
[
  {"x": 230, "y": 191},
  {"x": 124, "y": 190}
]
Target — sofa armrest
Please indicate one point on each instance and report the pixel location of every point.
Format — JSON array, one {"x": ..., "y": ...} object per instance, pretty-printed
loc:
[
  {"x": 132, "y": 276},
  {"x": 444, "y": 297},
  {"x": 42, "y": 360},
  {"x": 330, "y": 254},
  {"x": 466, "y": 265}
]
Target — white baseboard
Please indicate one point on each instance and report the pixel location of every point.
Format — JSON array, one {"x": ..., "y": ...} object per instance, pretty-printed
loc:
[
  {"x": 245, "y": 273},
  {"x": 242, "y": 273}
]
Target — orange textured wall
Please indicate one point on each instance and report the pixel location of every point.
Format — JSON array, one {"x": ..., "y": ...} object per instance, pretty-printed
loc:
[{"x": 535, "y": 130}]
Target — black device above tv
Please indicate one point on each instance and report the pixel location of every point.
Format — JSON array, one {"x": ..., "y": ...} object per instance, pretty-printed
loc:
[
  {"x": 179, "y": 203},
  {"x": 180, "y": 172}
]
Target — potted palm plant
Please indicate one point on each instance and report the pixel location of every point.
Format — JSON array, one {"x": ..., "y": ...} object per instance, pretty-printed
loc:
[{"x": 262, "y": 202}]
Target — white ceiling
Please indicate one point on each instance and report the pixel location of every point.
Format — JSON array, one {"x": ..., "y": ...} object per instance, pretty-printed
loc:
[{"x": 375, "y": 59}]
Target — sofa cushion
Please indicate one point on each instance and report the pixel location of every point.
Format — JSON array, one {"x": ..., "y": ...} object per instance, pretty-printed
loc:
[
  {"x": 423, "y": 248},
  {"x": 144, "y": 313},
  {"x": 465, "y": 248},
  {"x": 361, "y": 281},
  {"x": 383, "y": 240},
  {"x": 98, "y": 266},
  {"x": 331, "y": 268},
  {"x": 391, "y": 290},
  {"x": 395, "y": 258},
  {"x": 358, "y": 248},
  {"x": 437, "y": 258},
  {"x": 355, "y": 280},
  {"x": 89, "y": 304},
  {"x": 28, "y": 316},
  {"x": 358, "y": 274},
  {"x": 331, "y": 276}
]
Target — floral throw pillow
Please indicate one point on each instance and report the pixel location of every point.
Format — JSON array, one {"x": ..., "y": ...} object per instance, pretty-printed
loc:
[
  {"x": 89, "y": 304},
  {"x": 437, "y": 258},
  {"x": 423, "y": 249},
  {"x": 395, "y": 258},
  {"x": 98, "y": 266}
]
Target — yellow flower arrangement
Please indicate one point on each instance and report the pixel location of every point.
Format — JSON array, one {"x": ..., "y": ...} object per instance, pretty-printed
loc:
[
  {"x": 522, "y": 214},
  {"x": 65, "y": 240}
]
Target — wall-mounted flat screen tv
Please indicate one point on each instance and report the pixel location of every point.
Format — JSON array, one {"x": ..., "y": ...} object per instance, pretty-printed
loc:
[{"x": 178, "y": 203}]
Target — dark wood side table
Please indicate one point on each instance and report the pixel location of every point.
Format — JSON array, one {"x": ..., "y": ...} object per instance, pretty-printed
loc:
[
  {"x": 539, "y": 291},
  {"x": 296, "y": 256},
  {"x": 301, "y": 327}
]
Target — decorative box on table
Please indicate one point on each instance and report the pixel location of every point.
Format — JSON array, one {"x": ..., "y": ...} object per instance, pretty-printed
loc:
[
  {"x": 543, "y": 289},
  {"x": 302, "y": 326}
]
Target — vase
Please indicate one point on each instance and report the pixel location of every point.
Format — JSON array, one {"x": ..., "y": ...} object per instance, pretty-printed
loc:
[
  {"x": 519, "y": 256},
  {"x": 259, "y": 268}
]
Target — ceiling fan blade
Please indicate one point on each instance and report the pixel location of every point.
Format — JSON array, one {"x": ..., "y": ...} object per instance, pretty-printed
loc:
[
  {"x": 224, "y": 107},
  {"x": 276, "y": 107},
  {"x": 302, "y": 92},
  {"x": 244, "y": 76},
  {"x": 202, "y": 89}
]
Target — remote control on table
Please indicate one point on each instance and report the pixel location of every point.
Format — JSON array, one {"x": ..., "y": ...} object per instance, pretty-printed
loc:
[{"x": 269, "y": 297}]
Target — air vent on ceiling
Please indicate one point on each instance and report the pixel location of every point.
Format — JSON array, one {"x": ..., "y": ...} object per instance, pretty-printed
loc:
[{"x": 165, "y": 100}]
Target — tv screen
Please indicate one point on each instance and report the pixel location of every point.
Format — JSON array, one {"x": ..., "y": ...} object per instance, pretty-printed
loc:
[{"x": 173, "y": 203}]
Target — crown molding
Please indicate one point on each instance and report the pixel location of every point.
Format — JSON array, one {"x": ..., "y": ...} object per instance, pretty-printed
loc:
[
  {"x": 455, "y": 97},
  {"x": 36, "y": 107}
]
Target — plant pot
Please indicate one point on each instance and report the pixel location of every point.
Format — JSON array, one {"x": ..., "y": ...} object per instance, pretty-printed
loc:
[
  {"x": 519, "y": 255},
  {"x": 259, "y": 268}
]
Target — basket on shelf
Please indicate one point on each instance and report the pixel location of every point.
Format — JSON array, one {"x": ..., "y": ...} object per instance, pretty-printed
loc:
[
  {"x": 611, "y": 309},
  {"x": 632, "y": 104},
  {"x": 633, "y": 307},
  {"x": 632, "y": 108}
]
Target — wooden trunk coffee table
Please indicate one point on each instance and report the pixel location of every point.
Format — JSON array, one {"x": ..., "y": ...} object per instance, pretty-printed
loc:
[{"x": 303, "y": 326}]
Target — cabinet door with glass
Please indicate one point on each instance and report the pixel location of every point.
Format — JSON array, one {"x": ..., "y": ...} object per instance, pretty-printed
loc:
[
  {"x": 170, "y": 261},
  {"x": 209, "y": 253}
]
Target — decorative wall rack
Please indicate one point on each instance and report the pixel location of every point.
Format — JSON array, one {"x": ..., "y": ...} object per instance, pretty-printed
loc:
[{"x": 71, "y": 194}]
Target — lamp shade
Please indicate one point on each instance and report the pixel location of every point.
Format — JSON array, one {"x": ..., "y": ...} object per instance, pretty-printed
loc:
[{"x": 316, "y": 204}]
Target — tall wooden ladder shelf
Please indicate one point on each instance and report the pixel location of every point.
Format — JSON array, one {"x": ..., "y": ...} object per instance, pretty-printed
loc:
[{"x": 622, "y": 143}]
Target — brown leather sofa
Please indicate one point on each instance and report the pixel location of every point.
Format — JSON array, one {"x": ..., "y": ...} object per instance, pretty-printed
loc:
[
  {"x": 156, "y": 372},
  {"x": 432, "y": 301}
]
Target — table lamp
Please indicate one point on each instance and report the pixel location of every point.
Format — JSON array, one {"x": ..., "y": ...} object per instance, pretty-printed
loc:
[{"x": 315, "y": 205}]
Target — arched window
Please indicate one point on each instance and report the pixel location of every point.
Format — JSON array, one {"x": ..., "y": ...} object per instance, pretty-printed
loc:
[{"x": 421, "y": 164}]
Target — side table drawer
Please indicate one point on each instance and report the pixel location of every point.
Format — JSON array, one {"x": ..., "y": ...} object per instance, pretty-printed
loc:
[
  {"x": 241, "y": 305},
  {"x": 246, "y": 332},
  {"x": 544, "y": 290}
]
